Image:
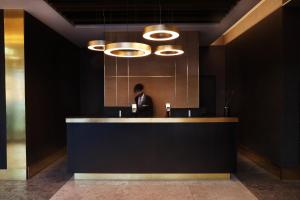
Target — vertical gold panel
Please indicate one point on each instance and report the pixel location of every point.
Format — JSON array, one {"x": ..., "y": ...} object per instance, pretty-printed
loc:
[{"x": 15, "y": 95}]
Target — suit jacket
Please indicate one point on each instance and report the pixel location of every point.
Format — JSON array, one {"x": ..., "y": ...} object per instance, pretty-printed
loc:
[{"x": 145, "y": 109}]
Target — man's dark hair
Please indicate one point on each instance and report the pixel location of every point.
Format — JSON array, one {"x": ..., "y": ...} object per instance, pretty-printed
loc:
[{"x": 138, "y": 87}]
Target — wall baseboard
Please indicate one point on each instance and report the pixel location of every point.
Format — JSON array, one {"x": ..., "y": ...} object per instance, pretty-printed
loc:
[
  {"x": 282, "y": 173},
  {"x": 35, "y": 168}
]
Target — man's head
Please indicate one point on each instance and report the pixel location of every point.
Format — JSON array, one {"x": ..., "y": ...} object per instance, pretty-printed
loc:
[{"x": 138, "y": 89}]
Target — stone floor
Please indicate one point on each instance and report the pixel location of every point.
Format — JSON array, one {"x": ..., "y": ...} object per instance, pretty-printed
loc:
[
  {"x": 264, "y": 185},
  {"x": 41, "y": 187},
  {"x": 148, "y": 190},
  {"x": 251, "y": 182}
]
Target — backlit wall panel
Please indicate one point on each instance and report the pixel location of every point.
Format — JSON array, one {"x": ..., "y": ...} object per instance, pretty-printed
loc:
[{"x": 166, "y": 79}]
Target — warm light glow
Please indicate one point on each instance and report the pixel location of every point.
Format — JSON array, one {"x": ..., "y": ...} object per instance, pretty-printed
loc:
[
  {"x": 96, "y": 45},
  {"x": 260, "y": 11},
  {"x": 134, "y": 108},
  {"x": 286, "y": 2},
  {"x": 168, "y": 107},
  {"x": 14, "y": 96},
  {"x": 169, "y": 50},
  {"x": 161, "y": 32},
  {"x": 127, "y": 49}
]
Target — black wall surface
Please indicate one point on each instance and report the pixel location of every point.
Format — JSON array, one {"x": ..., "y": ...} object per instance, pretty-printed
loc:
[
  {"x": 262, "y": 67},
  {"x": 212, "y": 67},
  {"x": 2, "y": 97},
  {"x": 254, "y": 71},
  {"x": 291, "y": 53},
  {"x": 52, "y": 74},
  {"x": 91, "y": 82},
  {"x": 208, "y": 94}
]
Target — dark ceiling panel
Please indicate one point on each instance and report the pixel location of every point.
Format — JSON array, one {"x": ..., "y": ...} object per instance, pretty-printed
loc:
[{"x": 142, "y": 11}]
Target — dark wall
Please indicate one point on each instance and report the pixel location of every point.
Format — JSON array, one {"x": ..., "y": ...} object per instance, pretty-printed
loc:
[
  {"x": 291, "y": 53},
  {"x": 2, "y": 96},
  {"x": 52, "y": 88},
  {"x": 207, "y": 85},
  {"x": 91, "y": 82},
  {"x": 212, "y": 67},
  {"x": 262, "y": 67},
  {"x": 254, "y": 71}
]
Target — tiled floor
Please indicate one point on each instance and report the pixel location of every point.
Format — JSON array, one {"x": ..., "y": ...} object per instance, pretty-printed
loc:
[
  {"x": 55, "y": 182},
  {"x": 41, "y": 187},
  {"x": 148, "y": 190},
  {"x": 264, "y": 185}
]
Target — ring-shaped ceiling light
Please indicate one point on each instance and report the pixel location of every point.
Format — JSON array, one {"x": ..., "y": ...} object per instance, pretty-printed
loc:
[
  {"x": 161, "y": 32},
  {"x": 96, "y": 45},
  {"x": 127, "y": 49},
  {"x": 169, "y": 50}
]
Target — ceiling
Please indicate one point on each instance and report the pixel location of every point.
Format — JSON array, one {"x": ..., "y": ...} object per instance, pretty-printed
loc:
[
  {"x": 81, "y": 34},
  {"x": 293, "y": 4},
  {"x": 86, "y": 12}
]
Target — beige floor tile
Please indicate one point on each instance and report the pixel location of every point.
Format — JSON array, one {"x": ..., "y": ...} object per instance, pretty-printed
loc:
[{"x": 154, "y": 190}]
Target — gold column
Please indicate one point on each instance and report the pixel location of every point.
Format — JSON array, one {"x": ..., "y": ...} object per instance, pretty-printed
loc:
[{"x": 15, "y": 95}]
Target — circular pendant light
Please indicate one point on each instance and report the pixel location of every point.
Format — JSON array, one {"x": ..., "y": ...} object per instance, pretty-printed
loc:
[
  {"x": 169, "y": 50},
  {"x": 127, "y": 49},
  {"x": 96, "y": 45},
  {"x": 161, "y": 32}
]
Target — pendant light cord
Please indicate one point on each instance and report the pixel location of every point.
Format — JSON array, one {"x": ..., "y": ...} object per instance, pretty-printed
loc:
[
  {"x": 159, "y": 11},
  {"x": 103, "y": 14},
  {"x": 104, "y": 27},
  {"x": 127, "y": 15}
]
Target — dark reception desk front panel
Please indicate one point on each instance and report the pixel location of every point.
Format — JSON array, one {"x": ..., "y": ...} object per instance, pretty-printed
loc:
[{"x": 152, "y": 145}]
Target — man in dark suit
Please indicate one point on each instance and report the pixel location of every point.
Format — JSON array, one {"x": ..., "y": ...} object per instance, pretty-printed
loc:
[{"x": 143, "y": 102}]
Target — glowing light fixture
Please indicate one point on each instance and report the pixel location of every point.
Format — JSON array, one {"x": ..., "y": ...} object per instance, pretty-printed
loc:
[
  {"x": 96, "y": 45},
  {"x": 169, "y": 50},
  {"x": 161, "y": 32},
  {"x": 127, "y": 49}
]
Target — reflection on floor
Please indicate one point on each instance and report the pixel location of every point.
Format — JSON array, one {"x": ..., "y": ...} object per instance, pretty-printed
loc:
[
  {"x": 264, "y": 185},
  {"x": 16, "y": 161},
  {"x": 16, "y": 155},
  {"x": 54, "y": 181},
  {"x": 41, "y": 187}
]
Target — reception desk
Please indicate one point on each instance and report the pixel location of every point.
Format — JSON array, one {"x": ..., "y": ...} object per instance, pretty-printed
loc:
[{"x": 151, "y": 148}]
